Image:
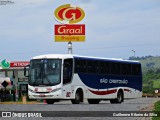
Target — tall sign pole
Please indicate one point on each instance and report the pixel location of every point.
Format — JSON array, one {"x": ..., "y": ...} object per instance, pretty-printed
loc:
[
  {"x": 70, "y": 48},
  {"x": 68, "y": 31}
]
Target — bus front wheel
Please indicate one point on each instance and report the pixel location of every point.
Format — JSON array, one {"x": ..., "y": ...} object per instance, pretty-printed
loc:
[{"x": 78, "y": 97}]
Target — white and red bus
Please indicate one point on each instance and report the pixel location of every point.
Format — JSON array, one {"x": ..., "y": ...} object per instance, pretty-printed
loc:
[{"x": 55, "y": 77}]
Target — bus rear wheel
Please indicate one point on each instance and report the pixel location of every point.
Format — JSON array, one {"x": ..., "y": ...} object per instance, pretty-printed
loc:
[
  {"x": 93, "y": 101},
  {"x": 119, "y": 98},
  {"x": 49, "y": 101}
]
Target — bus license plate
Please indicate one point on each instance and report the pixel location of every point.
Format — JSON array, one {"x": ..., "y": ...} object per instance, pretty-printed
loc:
[{"x": 41, "y": 95}]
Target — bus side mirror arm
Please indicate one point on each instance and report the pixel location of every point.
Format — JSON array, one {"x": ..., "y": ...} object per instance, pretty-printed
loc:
[{"x": 25, "y": 70}]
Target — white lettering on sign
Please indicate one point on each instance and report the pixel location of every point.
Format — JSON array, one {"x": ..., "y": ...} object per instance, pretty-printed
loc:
[
  {"x": 113, "y": 81},
  {"x": 103, "y": 80},
  {"x": 19, "y": 64},
  {"x": 63, "y": 30},
  {"x": 118, "y": 81}
]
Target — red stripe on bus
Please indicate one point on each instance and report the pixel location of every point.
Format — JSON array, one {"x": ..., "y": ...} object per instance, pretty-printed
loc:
[
  {"x": 103, "y": 92},
  {"x": 127, "y": 90}
]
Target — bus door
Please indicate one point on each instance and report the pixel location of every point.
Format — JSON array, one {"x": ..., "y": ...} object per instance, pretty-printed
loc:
[{"x": 67, "y": 78}]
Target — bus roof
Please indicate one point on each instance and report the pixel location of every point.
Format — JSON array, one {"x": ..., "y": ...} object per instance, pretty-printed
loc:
[
  {"x": 60, "y": 56},
  {"x": 109, "y": 59},
  {"x": 64, "y": 56}
]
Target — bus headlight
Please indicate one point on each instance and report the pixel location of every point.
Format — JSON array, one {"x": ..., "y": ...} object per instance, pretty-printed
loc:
[
  {"x": 31, "y": 90},
  {"x": 55, "y": 90}
]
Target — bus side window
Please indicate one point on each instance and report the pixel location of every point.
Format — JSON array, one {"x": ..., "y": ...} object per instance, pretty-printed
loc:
[
  {"x": 115, "y": 68},
  {"x": 126, "y": 69},
  {"x": 136, "y": 69},
  {"x": 67, "y": 70}
]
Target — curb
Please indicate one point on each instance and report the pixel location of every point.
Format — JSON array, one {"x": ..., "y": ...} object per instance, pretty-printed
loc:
[{"x": 19, "y": 103}]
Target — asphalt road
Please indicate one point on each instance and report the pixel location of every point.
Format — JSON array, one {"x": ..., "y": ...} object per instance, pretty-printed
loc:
[{"x": 57, "y": 109}]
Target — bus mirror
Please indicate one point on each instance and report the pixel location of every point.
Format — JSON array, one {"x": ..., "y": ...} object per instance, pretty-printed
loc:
[{"x": 26, "y": 69}]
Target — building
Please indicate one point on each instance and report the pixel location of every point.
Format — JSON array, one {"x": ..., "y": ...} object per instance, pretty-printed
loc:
[{"x": 15, "y": 71}]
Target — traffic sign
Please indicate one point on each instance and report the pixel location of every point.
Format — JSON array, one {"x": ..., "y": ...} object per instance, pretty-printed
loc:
[
  {"x": 156, "y": 91},
  {"x": 4, "y": 84}
]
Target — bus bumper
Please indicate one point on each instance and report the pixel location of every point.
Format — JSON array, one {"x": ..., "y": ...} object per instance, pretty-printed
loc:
[{"x": 55, "y": 95}]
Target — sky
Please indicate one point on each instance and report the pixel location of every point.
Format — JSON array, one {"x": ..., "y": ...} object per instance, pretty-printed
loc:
[{"x": 113, "y": 28}]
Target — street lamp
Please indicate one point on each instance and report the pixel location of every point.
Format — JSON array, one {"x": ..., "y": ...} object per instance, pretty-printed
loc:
[{"x": 134, "y": 52}]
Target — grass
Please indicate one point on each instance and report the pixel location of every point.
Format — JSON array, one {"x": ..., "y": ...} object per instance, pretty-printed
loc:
[
  {"x": 157, "y": 108},
  {"x": 20, "y": 102}
]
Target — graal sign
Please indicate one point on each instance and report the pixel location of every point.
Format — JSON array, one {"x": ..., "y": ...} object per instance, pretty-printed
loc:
[
  {"x": 69, "y": 14},
  {"x": 69, "y": 31}
]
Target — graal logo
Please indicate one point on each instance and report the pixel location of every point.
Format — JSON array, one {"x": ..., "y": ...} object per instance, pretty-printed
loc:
[{"x": 6, "y": 114}]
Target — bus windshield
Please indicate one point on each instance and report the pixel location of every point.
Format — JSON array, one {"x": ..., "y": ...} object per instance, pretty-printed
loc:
[{"x": 44, "y": 72}]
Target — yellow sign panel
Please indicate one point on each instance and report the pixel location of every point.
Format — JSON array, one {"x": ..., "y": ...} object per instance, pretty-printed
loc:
[{"x": 69, "y": 38}]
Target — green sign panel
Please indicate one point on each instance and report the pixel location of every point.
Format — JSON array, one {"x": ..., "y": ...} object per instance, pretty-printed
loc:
[{"x": 4, "y": 64}]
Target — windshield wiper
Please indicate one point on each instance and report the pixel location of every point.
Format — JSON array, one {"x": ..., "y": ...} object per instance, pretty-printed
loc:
[
  {"x": 44, "y": 73},
  {"x": 39, "y": 77}
]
